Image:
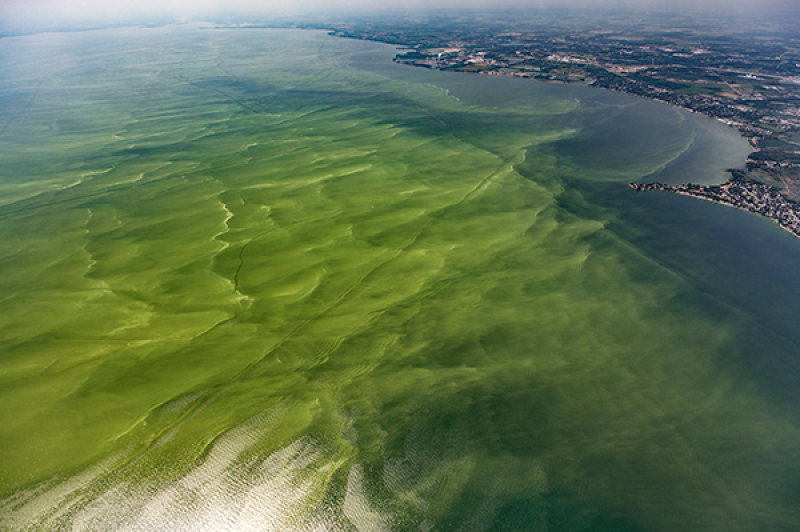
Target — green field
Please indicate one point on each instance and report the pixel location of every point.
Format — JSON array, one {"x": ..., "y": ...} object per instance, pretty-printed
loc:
[{"x": 268, "y": 280}]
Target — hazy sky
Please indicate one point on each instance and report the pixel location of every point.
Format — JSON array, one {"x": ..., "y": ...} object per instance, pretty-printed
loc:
[{"x": 16, "y": 12}]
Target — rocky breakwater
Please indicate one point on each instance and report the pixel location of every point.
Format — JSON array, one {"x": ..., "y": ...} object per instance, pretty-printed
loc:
[{"x": 748, "y": 195}]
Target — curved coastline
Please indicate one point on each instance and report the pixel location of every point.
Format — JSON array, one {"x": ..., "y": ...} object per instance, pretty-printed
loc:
[
  {"x": 738, "y": 190},
  {"x": 746, "y": 195}
]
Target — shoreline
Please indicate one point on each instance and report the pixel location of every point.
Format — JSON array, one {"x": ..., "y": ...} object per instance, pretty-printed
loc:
[
  {"x": 741, "y": 127},
  {"x": 739, "y": 191},
  {"x": 749, "y": 196}
]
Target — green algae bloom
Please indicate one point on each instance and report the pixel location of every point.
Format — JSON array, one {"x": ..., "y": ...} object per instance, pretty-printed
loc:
[{"x": 268, "y": 280}]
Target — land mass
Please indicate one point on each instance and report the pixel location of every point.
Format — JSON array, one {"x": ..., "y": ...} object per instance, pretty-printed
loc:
[
  {"x": 744, "y": 72},
  {"x": 747, "y": 195}
]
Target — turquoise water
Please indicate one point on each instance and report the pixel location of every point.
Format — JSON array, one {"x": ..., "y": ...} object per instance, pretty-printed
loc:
[{"x": 269, "y": 280}]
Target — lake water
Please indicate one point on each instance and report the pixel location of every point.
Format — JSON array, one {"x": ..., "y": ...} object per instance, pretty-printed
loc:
[{"x": 269, "y": 280}]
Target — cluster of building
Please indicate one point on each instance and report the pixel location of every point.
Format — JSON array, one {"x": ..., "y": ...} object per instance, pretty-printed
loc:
[{"x": 748, "y": 195}]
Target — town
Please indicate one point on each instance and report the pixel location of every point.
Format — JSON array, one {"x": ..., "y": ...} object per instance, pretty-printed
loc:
[{"x": 747, "y": 195}]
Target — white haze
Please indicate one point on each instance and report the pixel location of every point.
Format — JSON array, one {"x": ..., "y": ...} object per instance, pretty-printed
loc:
[{"x": 31, "y": 12}]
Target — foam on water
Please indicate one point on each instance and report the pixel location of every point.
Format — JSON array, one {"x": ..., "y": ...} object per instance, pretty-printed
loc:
[{"x": 234, "y": 488}]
